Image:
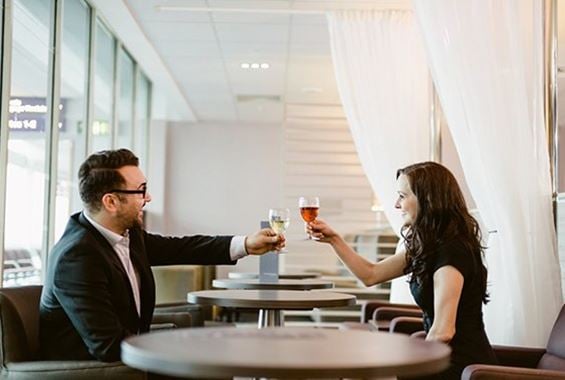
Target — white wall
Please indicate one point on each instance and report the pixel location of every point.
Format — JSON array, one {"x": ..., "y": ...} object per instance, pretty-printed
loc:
[{"x": 222, "y": 178}]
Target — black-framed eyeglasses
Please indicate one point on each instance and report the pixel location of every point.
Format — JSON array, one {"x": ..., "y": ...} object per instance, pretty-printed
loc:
[{"x": 143, "y": 191}]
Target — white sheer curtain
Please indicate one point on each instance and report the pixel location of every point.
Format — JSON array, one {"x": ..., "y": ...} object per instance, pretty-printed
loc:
[
  {"x": 383, "y": 82},
  {"x": 485, "y": 58}
]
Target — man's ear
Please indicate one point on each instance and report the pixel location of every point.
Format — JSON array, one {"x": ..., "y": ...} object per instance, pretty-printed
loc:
[{"x": 110, "y": 202}]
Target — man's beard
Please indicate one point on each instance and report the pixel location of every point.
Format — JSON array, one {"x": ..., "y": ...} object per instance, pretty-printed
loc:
[{"x": 130, "y": 221}]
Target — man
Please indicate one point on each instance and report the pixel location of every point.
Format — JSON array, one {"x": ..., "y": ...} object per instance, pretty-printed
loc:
[{"x": 99, "y": 287}]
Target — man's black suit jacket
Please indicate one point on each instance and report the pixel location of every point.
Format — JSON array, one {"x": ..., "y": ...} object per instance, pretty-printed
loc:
[{"x": 87, "y": 306}]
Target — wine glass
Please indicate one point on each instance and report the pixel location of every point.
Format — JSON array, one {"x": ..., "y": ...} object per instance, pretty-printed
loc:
[
  {"x": 309, "y": 209},
  {"x": 279, "y": 219}
]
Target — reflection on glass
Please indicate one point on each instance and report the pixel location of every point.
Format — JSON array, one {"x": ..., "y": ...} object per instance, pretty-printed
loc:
[
  {"x": 125, "y": 105},
  {"x": 101, "y": 132},
  {"x": 26, "y": 176},
  {"x": 72, "y": 115},
  {"x": 142, "y": 119}
]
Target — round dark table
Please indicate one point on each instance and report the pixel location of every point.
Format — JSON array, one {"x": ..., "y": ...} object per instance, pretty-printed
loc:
[
  {"x": 270, "y": 303},
  {"x": 282, "y": 353}
]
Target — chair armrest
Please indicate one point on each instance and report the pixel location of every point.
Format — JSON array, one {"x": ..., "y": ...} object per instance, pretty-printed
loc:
[
  {"x": 177, "y": 319},
  {"x": 525, "y": 357},
  {"x": 162, "y": 326},
  {"x": 388, "y": 313},
  {"x": 406, "y": 325},
  {"x": 496, "y": 372},
  {"x": 67, "y": 370},
  {"x": 357, "y": 326},
  {"x": 383, "y": 315},
  {"x": 195, "y": 312},
  {"x": 369, "y": 307}
]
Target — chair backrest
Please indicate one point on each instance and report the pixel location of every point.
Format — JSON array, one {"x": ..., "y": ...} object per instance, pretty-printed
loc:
[
  {"x": 554, "y": 358},
  {"x": 19, "y": 323}
]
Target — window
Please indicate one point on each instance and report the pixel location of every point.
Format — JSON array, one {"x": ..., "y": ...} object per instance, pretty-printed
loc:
[
  {"x": 72, "y": 109},
  {"x": 27, "y": 142},
  {"x": 101, "y": 132},
  {"x": 125, "y": 106}
]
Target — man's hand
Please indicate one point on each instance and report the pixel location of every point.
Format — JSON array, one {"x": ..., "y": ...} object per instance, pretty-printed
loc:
[{"x": 264, "y": 241}]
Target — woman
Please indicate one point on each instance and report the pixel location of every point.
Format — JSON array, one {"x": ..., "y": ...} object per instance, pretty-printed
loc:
[{"x": 442, "y": 252}]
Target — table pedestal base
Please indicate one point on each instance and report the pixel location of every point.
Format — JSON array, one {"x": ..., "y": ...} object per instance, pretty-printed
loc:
[{"x": 270, "y": 318}]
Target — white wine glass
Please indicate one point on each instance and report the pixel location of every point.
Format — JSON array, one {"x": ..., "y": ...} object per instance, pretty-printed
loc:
[
  {"x": 309, "y": 207},
  {"x": 279, "y": 219}
]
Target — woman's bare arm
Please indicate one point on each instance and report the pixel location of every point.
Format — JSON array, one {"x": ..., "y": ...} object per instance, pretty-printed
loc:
[
  {"x": 369, "y": 272},
  {"x": 448, "y": 285}
]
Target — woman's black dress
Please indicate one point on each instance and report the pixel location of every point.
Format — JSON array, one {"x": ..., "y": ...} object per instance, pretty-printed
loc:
[{"x": 470, "y": 344}]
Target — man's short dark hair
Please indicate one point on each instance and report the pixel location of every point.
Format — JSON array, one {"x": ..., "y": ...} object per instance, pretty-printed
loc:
[{"x": 99, "y": 175}]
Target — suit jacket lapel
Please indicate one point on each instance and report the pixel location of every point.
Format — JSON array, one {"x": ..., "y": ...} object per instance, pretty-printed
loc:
[{"x": 109, "y": 251}]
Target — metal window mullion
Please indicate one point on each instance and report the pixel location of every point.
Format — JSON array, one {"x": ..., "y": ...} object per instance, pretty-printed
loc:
[
  {"x": 52, "y": 129},
  {"x": 5, "y": 84},
  {"x": 148, "y": 122},
  {"x": 134, "y": 124},
  {"x": 116, "y": 92},
  {"x": 89, "y": 104}
]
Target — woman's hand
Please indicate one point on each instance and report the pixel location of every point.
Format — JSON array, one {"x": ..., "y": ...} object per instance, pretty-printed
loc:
[{"x": 321, "y": 231}]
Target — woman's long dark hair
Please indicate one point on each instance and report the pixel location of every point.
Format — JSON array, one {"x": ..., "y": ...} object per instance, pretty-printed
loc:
[{"x": 442, "y": 217}]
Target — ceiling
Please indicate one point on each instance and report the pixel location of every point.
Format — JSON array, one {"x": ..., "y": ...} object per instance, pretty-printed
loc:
[{"x": 203, "y": 43}]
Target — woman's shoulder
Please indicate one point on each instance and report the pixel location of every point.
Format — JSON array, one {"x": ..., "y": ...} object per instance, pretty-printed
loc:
[{"x": 456, "y": 253}]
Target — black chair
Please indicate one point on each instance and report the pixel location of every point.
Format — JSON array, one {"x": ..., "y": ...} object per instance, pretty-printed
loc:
[
  {"x": 19, "y": 339},
  {"x": 522, "y": 363}
]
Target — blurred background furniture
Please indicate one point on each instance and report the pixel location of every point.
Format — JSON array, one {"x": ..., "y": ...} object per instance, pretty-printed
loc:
[
  {"x": 521, "y": 363},
  {"x": 19, "y": 334},
  {"x": 385, "y": 316},
  {"x": 172, "y": 283}
]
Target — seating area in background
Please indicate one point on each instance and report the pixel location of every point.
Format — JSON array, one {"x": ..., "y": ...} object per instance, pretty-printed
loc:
[
  {"x": 21, "y": 266},
  {"x": 173, "y": 283}
]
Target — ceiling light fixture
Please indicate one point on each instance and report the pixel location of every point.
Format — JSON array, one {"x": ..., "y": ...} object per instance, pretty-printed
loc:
[{"x": 255, "y": 66}]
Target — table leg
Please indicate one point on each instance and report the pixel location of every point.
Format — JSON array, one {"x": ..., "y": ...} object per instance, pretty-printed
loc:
[{"x": 270, "y": 318}]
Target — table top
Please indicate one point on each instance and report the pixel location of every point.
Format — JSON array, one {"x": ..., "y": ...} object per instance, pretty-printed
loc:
[
  {"x": 282, "y": 352},
  {"x": 286, "y": 276},
  {"x": 255, "y": 283},
  {"x": 270, "y": 299}
]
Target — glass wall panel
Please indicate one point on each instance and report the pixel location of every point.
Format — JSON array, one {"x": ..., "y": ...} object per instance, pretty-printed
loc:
[
  {"x": 101, "y": 134},
  {"x": 72, "y": 109},
  {"x": 125, "y": 105},
  {"x": 143, "y": 96},
  {"x": 27, "y": 143}
]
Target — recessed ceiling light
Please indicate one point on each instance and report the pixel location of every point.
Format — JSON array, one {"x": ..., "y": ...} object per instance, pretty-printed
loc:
[{"x": 255, "y": 65}]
